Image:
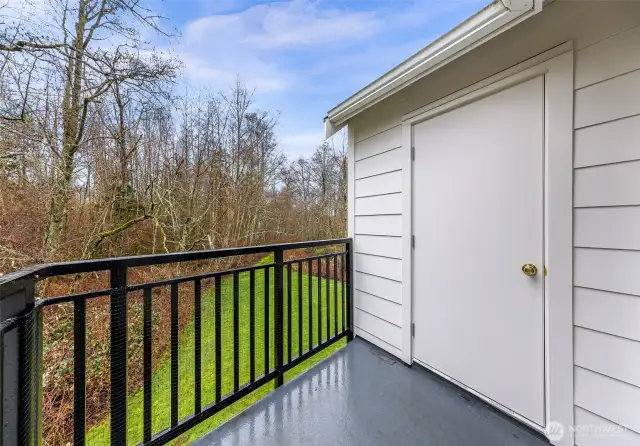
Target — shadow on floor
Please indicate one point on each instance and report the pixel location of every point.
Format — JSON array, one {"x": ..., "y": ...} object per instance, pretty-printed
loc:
[{"x": 362, "y": 396}]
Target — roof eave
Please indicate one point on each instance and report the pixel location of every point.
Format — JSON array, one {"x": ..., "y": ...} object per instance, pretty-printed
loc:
[{"x": 492, "y": 20}]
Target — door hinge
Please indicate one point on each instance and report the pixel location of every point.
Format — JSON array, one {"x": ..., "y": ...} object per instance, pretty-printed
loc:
[
  {"x": 413, "y": 241},
  {"x": 413, "y": 153},
  {"x": 413, "y": 330}
]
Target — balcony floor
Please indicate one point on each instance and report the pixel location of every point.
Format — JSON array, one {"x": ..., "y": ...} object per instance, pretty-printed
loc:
[{"x": 362, "y": 396}]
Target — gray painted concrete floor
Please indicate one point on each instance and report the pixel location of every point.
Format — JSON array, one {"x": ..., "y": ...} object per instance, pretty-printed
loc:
[{"x": 361, "y": 396}]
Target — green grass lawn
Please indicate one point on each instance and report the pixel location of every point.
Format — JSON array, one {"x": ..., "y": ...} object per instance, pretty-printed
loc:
[{"x": 161, "y": 412}]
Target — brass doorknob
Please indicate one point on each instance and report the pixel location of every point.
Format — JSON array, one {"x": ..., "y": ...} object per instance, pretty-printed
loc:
[{"x": 529, "y": 269}]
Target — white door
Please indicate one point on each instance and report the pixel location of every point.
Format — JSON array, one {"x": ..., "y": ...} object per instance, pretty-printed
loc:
[{"x": 478, "y": 217}]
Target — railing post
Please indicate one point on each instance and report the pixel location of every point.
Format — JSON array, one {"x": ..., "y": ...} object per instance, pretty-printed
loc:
[
  {"x": 349, "y": 279},
  {"x": 118, "y": 311},
  {"x": 278, "y": 310},
  {"x": 20, "y": 365}
]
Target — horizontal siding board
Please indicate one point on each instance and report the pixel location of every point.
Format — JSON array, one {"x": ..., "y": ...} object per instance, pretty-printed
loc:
[
  {"x": 390, "y": 204},
  {"x": 611, "y": 399},
  {"x": 378, "y": 266},
  {"x": 611, "y": 142},
  {"x": 387, "y": 140},
  {"x": 379, "y": 286},
  {"x": 598, "y": 431},
  {"x": 609, "y": 355},
  {"x": 612, "y": 99},
  {"x": 611, "y": 185},
  {"x": 379, "y": 225},
  {"x": 378, "y": 164},
  {"x": 615, "y": 227},
  {"x": 377, "y": 240},
  {"x": 380, "y": 328},
  {"x": 376, "y": 120},
  {"x": 609, "y": 58},
  {"x": 602, "y": 21},
  {"x": 386, "y": 183},
  {"x": 382, "y": 308},
  {"x": 607, "y": 98},
  {"x": 379, "y": 245},
  {"x": 378, "y": 342},
  {"x": 613, "y": 313},
  {"x": 608, "y": 270}
]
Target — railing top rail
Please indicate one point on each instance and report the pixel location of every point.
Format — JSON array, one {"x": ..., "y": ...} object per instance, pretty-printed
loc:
[
  {"x": 87, "y": 266},
  {"x": 273, "y": 290}
]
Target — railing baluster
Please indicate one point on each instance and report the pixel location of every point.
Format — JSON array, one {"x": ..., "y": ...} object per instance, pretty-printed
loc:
[
  {"x": 79, "y": 371},
  {"x": 218, "y": 329},
  {"x": 335, "y": 295},
  {"x": 289, "y": 314},
  {"x": 299, "y": 308},
  {"x": 118, "y": 310},
  {"x": 2, "y": 390},
  {"x": 38, "y": 367},
  {"x": 278, "y": 314},
  {"x": 174, "y": 355},
  {"x": 22, "y": 411},
  {"x": 310, "y": 287},
  {"x": 236, "y": 332},
  {"x": 26, "y": 368},
  {"x": 349, "y": 278},
  {"x": 319, "y": 301},
  {"x": 146, "y": 361},
  {"x": 327, "y": 280},
  {"x": 197, "y": 324},
  {"x": 252, "y": 325},
  {"x": 267, "y": 329},
  {"x": 343, "y": 289}
]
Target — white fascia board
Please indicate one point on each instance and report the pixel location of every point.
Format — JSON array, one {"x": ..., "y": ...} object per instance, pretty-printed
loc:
[{"x": 485, "y": 24}]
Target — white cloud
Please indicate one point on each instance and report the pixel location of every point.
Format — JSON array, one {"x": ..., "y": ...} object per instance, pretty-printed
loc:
[
  {"x": 303, "y": 56},
  {"x": 287, "y": 24},
  {"x": 35, "y": 15},
  {"x": 304, "y": 144},
  {"x": 300, "y": 23},
  {"x": 301, "y": 144},
  {"x": 214, "y": 54},
  {"x": 25, "y": 6},
  {"x": 204, "y": 71},
  {"x": 218, "y": 47}
]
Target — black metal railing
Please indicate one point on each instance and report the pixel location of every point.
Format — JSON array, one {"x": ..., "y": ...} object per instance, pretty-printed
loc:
[{"x": 21, "y": 333}]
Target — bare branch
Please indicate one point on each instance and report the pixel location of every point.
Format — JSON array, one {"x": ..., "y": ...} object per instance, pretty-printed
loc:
[{"x": 23, "y": 46}]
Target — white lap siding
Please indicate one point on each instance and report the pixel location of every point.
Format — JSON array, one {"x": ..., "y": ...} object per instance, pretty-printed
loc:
[
  {"x": 607, "y": 241},
  {"x": 378, "y": 239},
  {"x": 606, "y": 41}
]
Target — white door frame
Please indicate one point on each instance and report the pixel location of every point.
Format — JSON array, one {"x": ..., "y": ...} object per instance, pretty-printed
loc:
[{"x": 556, "y": 65}]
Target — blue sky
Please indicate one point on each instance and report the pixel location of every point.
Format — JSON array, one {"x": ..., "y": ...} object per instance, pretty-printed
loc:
[{"x": 303, "y": 56}]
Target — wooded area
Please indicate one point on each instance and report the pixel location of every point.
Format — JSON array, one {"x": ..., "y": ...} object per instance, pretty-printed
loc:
[
  {"x": 104, "y": 151},
  {"x": 99, "y": 156}
]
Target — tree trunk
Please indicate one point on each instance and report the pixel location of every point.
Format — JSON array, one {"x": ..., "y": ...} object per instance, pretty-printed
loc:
[
  {"x": 58, "y": 207},
  {"x": 70, "y": 126}
]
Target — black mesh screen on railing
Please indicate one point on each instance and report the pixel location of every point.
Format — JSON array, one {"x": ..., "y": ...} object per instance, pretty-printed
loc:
[
  {"x": 155, "y": 348},
  {"x": 20, "y": 349}
]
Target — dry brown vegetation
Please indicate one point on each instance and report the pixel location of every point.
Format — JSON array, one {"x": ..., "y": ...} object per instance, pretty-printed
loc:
[{"x": 99, "y": 158}]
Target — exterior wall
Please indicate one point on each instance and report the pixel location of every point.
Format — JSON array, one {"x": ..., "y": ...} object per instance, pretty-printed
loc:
[
  {"x": 378, "y": 239},
  {"x": 606, "y": 40},
  {"x": 607, "y": 236}
]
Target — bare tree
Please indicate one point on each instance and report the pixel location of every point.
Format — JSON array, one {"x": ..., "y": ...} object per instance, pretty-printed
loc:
[
  {"x": 153, "y": 175},
  {"x": 100, "y": 159},
  {"x": 89, "y": 68}
]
